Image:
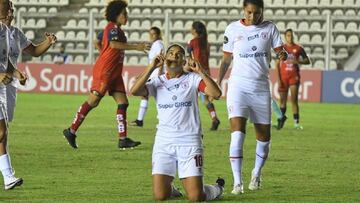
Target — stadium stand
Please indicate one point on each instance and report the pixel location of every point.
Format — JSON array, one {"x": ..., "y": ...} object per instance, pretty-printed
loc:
[{"x": 69, "y": 20}]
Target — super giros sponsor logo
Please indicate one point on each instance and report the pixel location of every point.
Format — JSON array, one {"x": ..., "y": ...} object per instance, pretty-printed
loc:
[{"x": 175, "y": 105}]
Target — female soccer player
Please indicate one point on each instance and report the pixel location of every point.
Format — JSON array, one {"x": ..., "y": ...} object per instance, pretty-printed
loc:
[
  {"x": 178, "y": 142},
  {"x": 157, "y": 47},
  {"x": 107, "y": 74},
  {"x": 199, "y": 49},
  {"x": 7, "y": 70},
  {"x": 249, "y": 42},
  {"x": 289, "y": 76}
]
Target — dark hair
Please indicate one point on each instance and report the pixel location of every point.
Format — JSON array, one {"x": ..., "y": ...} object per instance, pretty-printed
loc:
[
  {"x": 200, "y": 29},
  {"x": 259, "y": 3},
  {"x": 289, "y": 30},
  {"x": 114, "y": 8},
  {"x": 157, "y": 31},
  {"x": 176, "y": 45}
]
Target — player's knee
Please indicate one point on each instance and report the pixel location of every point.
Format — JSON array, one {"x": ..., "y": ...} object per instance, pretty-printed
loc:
[
  {"x": 3, "y": 135},
  {"x": 161, "y": 196},
  {"x": 123, "y": 106},
  {"x": 196, "y": 196}
]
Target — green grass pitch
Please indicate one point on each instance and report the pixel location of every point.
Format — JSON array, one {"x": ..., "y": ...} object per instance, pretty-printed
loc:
[{"x": 318, "y": 164}]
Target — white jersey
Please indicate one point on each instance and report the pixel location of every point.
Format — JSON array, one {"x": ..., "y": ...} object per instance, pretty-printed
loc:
[
  {"x": 251, "y": 49},
  {"x": 18, "y": 42},
  {"x": 4, "y": 47},
  {"x": 178, "y": 109},
  {"x": 156, "y": 48}
]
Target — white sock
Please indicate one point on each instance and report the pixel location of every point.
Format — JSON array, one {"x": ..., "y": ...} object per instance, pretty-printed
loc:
[
  {"x": 142, "y": 109},
  {"x": 211, "y": 192},
  {"x": 236, "y": 155},
  {"x": 5, "y": 166},
  {"x": 262, "y": 152}
]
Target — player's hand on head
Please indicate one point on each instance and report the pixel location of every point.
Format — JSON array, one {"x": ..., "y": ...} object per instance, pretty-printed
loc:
[{"x": 158, "y": 61}]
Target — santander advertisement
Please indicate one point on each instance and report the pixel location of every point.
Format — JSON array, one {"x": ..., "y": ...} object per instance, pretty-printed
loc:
[{"x": 76, "y": 79}]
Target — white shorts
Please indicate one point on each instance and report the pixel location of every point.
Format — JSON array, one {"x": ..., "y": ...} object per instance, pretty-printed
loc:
[
  {"x": 3, "y": 106},
  {"x": 11, "y": 92},
  {"x": 255, "y": 106},
  {"x": 186, "y": 160}
]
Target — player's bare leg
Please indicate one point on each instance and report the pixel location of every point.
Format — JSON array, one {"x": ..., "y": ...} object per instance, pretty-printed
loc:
[
  {"x": 91, "y": 103},
  {"x": 142, "y": 111},
  {"x": 123, "y": 103},
  {"x": 196, "y": 191},
  {"x": 238, "y": 129},
  {"x": 163, "y": 188},
  {"x": 10, "y": 181},
  {"x": 211, "y": 108},
  {"x": 282, "y": 101},
  {"x": 294, "y": 89},
  {"x": 262, "y": 151}
]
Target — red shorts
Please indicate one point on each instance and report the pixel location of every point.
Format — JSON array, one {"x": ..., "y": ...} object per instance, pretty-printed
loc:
[
  {"x": 110, "y": 82},
  {"x": 289, "y": 80}
]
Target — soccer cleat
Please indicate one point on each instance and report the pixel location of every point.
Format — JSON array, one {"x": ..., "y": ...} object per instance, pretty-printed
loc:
[
  {"x": 281, "y": 122},
  {"x": 175, "y": 193},
  {"x": 13, "y": 182},
  {"x": 137, "y": 123},
  {"x": 215, "y": 125},
  {"x": 70, "y": 137},
  {"x": 238, "y": 189},
  {"x": 220, "y": 182},
  {"x": 255, "y": 182},
  {"x": 128, "y": 143},
  {"x": 298, "y": 127}
]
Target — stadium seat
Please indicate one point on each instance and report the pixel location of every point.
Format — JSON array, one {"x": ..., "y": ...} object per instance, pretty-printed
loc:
[
  {"x": 350, "y": 12},
  {"x": 102, "y": 24},
  {"x": 319, "y": 64},
  {"x": 157, "y": 11},
  {"x": 212, "y": 37},
  {"x": 179, "y": 24},
  {"x": 41, "y": 23},
  {"x": 333, "y": 65},
  {"x": 145, "y": 36},
  {"x": 46, "y": 58},
  {"x": 353, "y": 40},
  {"x": 337, "y": 3},
  {"x": 70, "y": 24},
  {"x": 42, "y": 10},
  {"x": 339, "y": 26},
  {"x": 146, "y": 24},
  {"x": 349, "y": 3},
  {"x": 324, "y": 3},
  {"x": 188, "y": 37},
  {"x": 133, "y": 60},
  {"x": 342, "y": 53},
  {"x": 340, "y": 40},
  {"x": 200, "y": 12},
  {"x": 278, "y": 3},
  {"x": 292, "y": 25},
  {"x": 268, "y": 12},
  {"x": 279, "y": 12},
  {"x": 304, "y": 39},
  {"x": 189, "y": 11},
  {"x": 81, "y": 36},
  {"x": 134, "y": 36},
  {"x": 70, "y": 46},
  {"x": 157, "y": 23},
  {"x": 301, "y": 3},
  {"x": 30, "y": 34},
  {"x": 222, "y": 12},
  {"x": 212, "y": 12},
  {"x": 338, "y": 12},
  {"x": 146, "y": 11},
  {"x": 318, "y": 51},
  {"x": 143, "y": 61},
  {"x": 70, "y": 35},
  {"x": 314, "y": 12},
  {"x": 135, "y": 23},
  {"x": 83, "y": 10},
  {"x": 82, "y": 24},
  {"x": 316, "y": 26},
  {"x": 291, "y": 12},
  {"x": 80, "y": 46},
  {"x": 79, "y": 59},
  {"x": 222, "y": 25},
  {"x": 352, "y": 27},
  {"x": 316, "y": 39},
  {"x": 60, "y": 35},
  {"x": 177, "y": 37},
  {"x": 313, "y": 3},
  {"x": 213, "y": 63}
]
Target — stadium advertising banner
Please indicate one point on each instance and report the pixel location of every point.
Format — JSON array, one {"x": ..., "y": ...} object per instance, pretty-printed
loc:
[
  {"x": 341, "y": 87},
  {"x": 76, "y": 79}
]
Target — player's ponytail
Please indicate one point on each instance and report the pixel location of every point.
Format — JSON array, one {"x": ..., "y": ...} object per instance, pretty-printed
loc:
[{"x": 200, "y": 29}]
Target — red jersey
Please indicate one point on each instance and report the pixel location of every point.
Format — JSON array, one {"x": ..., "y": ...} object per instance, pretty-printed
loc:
[
  {"x": 198, "y": 53},
  {"x": 294, "y": 53},
  {"x": 109, "y": 58}
]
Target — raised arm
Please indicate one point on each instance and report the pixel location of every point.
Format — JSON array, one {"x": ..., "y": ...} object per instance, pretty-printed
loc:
[
  {"x": 211, "y": 89},
  {"x": 129, "y": 46},
  {"x": 40, "y": 49},
  {"x": 139, "y": 88}
]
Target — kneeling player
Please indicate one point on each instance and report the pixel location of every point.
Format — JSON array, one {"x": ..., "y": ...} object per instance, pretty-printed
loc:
[
  {"x": 107, "y": 74},
  {"x": 178, "y": 142}
]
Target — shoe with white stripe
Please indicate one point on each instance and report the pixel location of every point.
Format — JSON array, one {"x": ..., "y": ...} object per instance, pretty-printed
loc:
[
  {"x": 13, "y": 182},
  {"x": 255, "y": 182},
  {"x": 238, "y": 189}
]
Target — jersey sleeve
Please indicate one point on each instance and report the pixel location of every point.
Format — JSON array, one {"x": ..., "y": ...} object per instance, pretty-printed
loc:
[
  {"x": 303, "y": 53},
  {"x": 202, "y": 86},
  {"x": 275, "y": 38},
  {"x": 190, "y": 47},
  {"x": 228, "y": 44},
  {"x": 23, "y": 40},
  {"x": 151, "y": 87},
  {"x": 100, "y": 36},
  {"x": 113, "y": 34},
  {"x": 196, "y": 81}
]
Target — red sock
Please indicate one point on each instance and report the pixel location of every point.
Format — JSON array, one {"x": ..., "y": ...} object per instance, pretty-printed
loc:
[
  {"x": 80, "y": 116},
  {"x": 211, "y": 108},
  {"x": 121, "y": 119}
]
